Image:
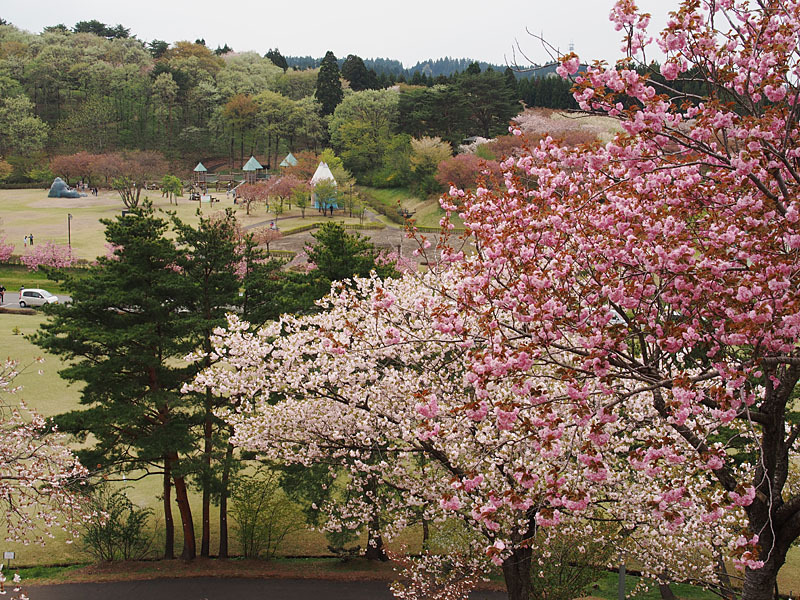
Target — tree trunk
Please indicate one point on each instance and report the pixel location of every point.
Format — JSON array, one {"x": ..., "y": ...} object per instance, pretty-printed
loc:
[
  {"x": 517, "y": 574},
  {"x": 269, "y": 146},
  {"x": 233, "y": 134},
  {"x": 759, "y": 584},
  {"x": 169, "y": 522},
  {"x": 189, "y": 546},
  {"x": 726, "y": 590},
  {"x": 666, "y": 591},
  {"x": 375, "y": 549},
  {"x": 425, "y": 533},
  {"x": 208, "y": 430},
  {"x": 223, "y": 501}
]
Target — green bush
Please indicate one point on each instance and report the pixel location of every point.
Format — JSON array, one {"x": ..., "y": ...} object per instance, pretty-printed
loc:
[
  {"x": 119, "y": 533},
  {"x": 565, "y": 565},
  {"x": 263, "y": 514}
]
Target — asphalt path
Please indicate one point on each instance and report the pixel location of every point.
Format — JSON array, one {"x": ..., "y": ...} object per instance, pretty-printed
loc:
[
  {"x": 211, "y": 588},
  {"x": 11, "y": 299}
]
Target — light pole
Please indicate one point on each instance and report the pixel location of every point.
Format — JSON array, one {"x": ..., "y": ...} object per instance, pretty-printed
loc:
[{"x": 69, "y": 230}]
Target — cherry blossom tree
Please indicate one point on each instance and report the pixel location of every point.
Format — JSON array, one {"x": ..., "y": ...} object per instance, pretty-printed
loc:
[
  {"x": 382, "y": 383},
  {"x": 48, "y": 255},
  {"x": 247, "y": 193},
  {"x": 659, "y": 272},
  {"x": 463, "y": 170},
  {"x": 266, "y": 235},
  {"x": 80, "y": 164},
  {"x": 134, "y": 170},
  {"x": 283, "y": 187},
  {"x": 6, "y": 250},
  {"x": 39, "y": 475}
]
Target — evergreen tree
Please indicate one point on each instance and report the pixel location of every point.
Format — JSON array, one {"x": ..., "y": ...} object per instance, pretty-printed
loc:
[
  {"x": 356, "y": 73},
  {"x": 511, "y": 82},
  {"x": 473, "y": 69},
  {"x": 101, "y": 29},
  {"x": 157, "y": 48},
  {"x": 277, "y": 59},
  {"x": 124, "y": 337},
  {"x": 329, "y": 89},
  {"x": 207, "y": 260},
  {"x": 489, "y": 101},
  {"x": 339, "y": 255}
]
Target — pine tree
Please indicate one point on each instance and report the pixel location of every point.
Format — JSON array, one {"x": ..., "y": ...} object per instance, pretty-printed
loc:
[
  {"x": 124, "y": 336},
  {"x": 207, "y": 261},
  {"x": 277, "y": 59},
  {"x": 354, "y": 70},
  {"x": 329, "y": 89}
]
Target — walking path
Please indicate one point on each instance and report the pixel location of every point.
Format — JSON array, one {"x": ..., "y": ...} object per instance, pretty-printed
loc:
[{"x": 209, "y": 588}]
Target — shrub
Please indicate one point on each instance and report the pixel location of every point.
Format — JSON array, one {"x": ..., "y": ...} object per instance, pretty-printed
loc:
[
  {"x": 120, "y": 533},
  {"x": 264, "y": 515},
  {"x": 568, "y": 563}
]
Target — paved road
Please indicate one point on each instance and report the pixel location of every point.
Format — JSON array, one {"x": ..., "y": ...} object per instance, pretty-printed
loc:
[
  {"x": 208, "y": 588},
  {"x": 11, "y": 299}
]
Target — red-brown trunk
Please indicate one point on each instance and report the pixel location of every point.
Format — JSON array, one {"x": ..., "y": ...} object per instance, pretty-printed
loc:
[
  {"x": 169, "y": 522},
  {"x": 181, "y": 496}
]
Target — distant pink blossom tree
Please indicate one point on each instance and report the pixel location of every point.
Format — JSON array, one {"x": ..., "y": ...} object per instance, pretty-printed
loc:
[
  {"x": 265, "y": 236},
  {"x": 464, "y": 170},
  {"x": 49, "y": 255},
  {"x": 6, "y": 250}
]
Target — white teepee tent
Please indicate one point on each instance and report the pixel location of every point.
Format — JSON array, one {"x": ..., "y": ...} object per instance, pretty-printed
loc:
[{"x": 323, "y": 173}]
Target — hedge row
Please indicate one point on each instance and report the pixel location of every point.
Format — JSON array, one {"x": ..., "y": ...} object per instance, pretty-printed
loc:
[
  {"x": 283, "y": 253},
  {"x": 25, "y": 186},
  {"x": 349, "y": 226},
  {"x": 422, "y": 229},
  {"x": 80, "y": 263}
]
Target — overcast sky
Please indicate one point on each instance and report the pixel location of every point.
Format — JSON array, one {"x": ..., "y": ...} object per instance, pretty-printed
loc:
[{"x": 409, "y": 30}]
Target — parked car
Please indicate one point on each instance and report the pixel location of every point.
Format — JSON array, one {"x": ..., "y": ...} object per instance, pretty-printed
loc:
[{"x": 36, "y": 297}]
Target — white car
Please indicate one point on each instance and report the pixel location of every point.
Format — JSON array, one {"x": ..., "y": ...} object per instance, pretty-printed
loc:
[{"x": 36, "y": 297}]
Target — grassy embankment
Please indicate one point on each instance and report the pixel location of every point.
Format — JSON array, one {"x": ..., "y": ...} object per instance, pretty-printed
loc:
[{"x": 426, "y": 212}]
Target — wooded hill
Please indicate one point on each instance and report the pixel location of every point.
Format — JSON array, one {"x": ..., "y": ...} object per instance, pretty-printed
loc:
[{"x": 97, "y": 89}]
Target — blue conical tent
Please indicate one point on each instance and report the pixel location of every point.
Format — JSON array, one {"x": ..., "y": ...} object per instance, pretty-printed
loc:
[
  {"x": 252, "y": 165},
  {"x": 289, "y": 161}
]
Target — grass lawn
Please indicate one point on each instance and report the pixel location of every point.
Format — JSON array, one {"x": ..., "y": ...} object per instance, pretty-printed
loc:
[
  {"x": 426, "y": 212},
  {"x": 15, "y": 276},
  {"x": 27, "y": 212}
]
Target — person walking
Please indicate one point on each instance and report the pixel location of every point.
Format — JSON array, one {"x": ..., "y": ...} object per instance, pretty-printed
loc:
[
  {"x": 30, "y": 238},
  {"x": 2, "y": 294},
  {"x": 25, "y": 241}
]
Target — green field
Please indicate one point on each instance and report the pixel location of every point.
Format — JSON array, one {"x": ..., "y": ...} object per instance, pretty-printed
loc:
[{"x": 26, "y": 212}]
